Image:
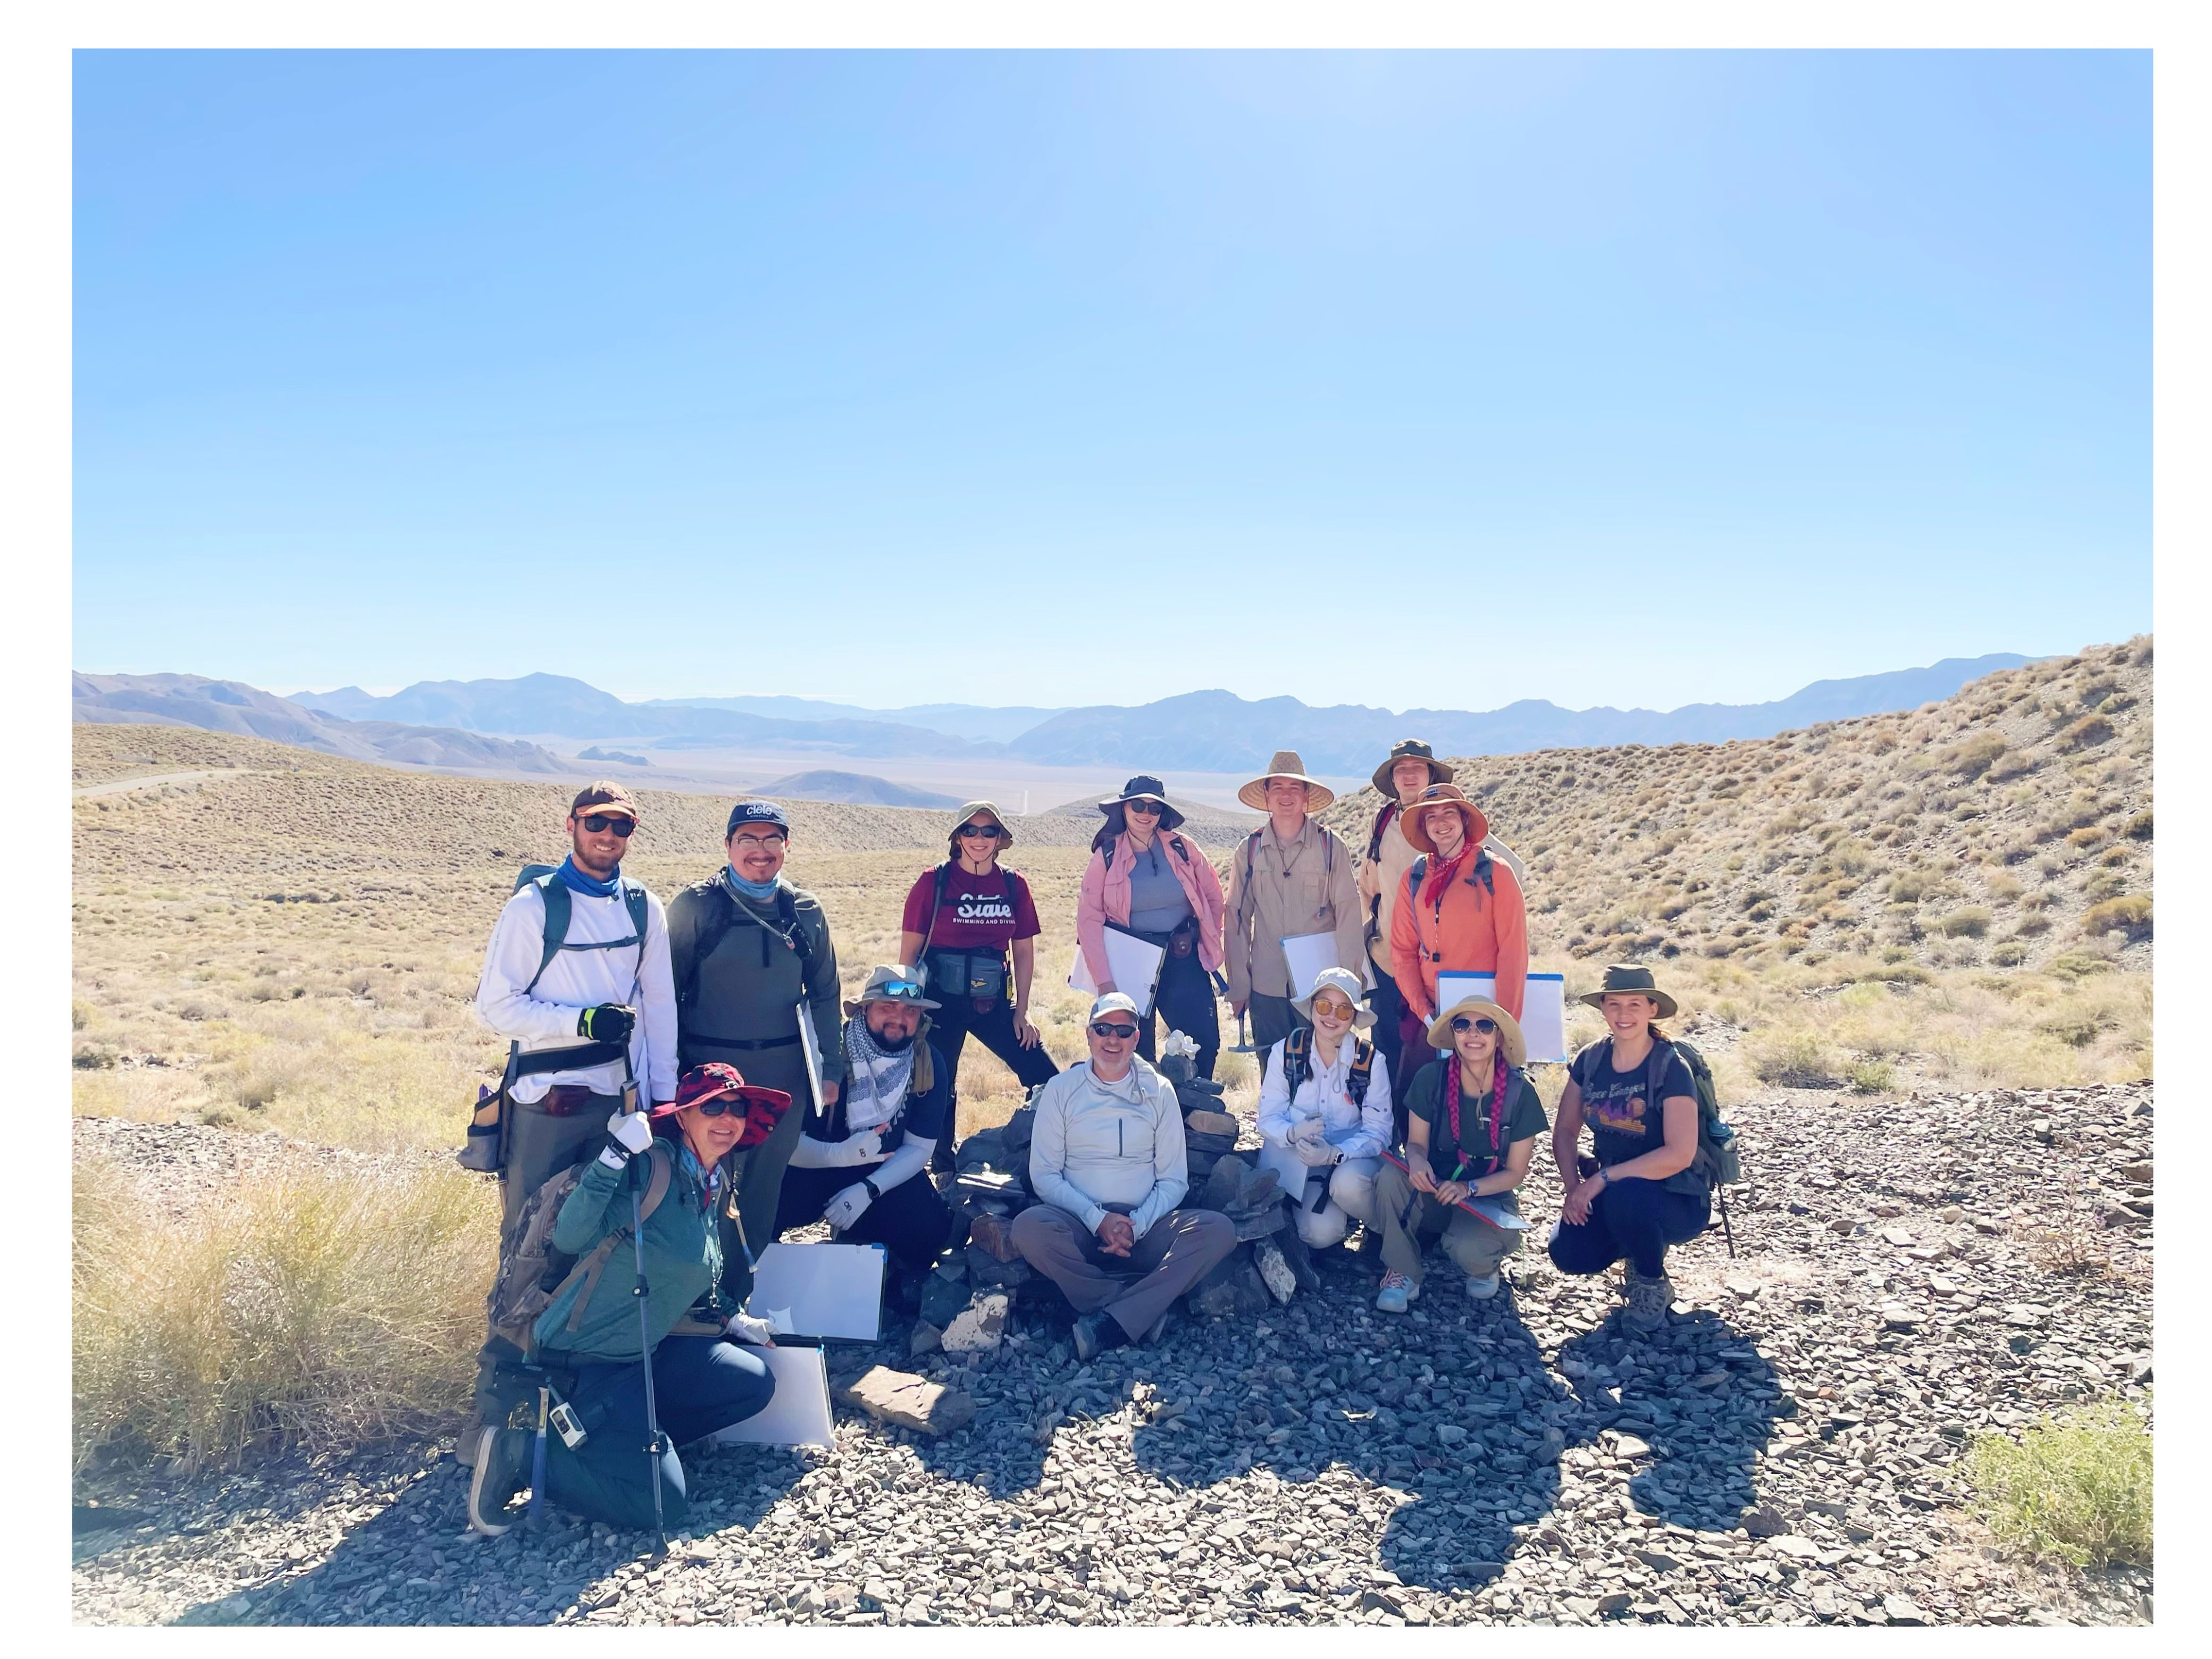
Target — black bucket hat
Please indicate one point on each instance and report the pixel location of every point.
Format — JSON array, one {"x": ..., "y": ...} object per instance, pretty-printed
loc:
[
  {"x": 1409, "y": 749},
  {"x": 1628, "y": 981},
  {"x": 1145, "y": 787}
]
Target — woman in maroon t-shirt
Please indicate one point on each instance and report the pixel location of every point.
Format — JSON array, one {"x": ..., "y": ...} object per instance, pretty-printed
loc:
[{"x": 983, "y": 915}]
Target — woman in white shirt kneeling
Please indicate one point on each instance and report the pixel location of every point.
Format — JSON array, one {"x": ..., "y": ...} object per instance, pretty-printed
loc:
[{"x": 1325, "y": 1111}]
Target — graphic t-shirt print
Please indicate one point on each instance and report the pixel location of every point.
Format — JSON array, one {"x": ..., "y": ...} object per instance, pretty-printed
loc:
[{"x": 1624, "y": 1114}]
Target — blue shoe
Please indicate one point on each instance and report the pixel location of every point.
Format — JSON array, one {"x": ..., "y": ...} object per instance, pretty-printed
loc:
[{"x": 1396, "y": 1293}]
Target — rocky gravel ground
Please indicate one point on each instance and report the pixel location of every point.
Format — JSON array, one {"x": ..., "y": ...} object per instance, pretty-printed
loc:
[{"x": 1908, "y": 1274}]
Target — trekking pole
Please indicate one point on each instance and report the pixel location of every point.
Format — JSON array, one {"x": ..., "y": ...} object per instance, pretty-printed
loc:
[
  {"x": 1727, "y": 1231},
  {"x": 537, "y": 1458},
  {"x": 653, "y": 1446}
]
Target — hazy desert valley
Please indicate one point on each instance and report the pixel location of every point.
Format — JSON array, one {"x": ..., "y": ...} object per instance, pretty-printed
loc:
[{"x": 1916, "y": 947}]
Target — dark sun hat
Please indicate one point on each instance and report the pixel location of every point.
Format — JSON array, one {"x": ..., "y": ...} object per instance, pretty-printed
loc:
[{"x": 1629, "y": 980}]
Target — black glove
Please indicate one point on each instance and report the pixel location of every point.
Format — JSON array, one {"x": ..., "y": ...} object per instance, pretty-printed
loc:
[{"x": 610, "y": 1022}]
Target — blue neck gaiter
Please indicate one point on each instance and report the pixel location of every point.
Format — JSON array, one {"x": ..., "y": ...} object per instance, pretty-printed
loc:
[
  {"x": 577, "y": 881},
  {"x": 760, "y": 892}
]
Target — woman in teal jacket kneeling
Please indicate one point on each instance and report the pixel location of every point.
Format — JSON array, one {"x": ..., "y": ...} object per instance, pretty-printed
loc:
[{"x": 704, "y": 1378}]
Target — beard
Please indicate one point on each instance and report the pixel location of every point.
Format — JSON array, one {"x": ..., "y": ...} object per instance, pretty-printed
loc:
[{"x": 893, "y": 1045}]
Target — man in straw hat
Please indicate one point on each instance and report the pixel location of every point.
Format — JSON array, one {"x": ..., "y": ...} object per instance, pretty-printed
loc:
[
  {"x": 1291, "y": 879},
  {"x": 1460, "y": 910},
  {"x": 1471, "y": 1120},
  {"x": 860, "y": 1167}
]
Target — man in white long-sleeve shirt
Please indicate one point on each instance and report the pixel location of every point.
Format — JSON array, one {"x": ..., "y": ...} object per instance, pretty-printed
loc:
[
  {"x": 586, "y": 1013},
  {"x": 1108, "y": 1160}
]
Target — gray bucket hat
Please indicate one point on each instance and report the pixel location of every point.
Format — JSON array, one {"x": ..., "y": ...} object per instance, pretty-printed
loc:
[
  {"x": 891, "y": 983},
  {"x": 1346, "y": 984}
]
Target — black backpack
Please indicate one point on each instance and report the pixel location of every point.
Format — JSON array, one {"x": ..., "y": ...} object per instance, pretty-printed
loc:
[
  {"x": 1297, "y": 1064},
  {"x": 723, "y": 913}
]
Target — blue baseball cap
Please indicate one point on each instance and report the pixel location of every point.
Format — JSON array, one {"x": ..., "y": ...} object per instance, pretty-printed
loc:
[{"x": 757, "y": 811}]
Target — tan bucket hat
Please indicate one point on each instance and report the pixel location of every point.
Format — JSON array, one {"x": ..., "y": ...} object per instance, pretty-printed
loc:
[
  {"x": 1443, "y": 794},
  {"x": 1286, "y": 764},
  {"x": 1509, "y": 1028},
  {"x": 892, "y": 983},
  {"x": 1628, "y": 980},
  {"x": 990, "y": 810}
]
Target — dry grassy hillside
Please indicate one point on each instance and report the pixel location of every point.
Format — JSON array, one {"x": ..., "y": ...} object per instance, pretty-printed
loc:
[{"x": 1957, "y": 895}]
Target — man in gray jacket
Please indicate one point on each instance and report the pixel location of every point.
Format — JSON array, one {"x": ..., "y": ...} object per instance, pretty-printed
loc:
[{"x": 1107, "y": 1158}]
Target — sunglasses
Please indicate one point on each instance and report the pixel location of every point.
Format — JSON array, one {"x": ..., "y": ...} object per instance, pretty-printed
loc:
[
  {"x": 979, "y": 832},
  {"x": 599, "y": 822},
  {"x": 1143, "y": 809},
  {"x": 1334, "y": 1007},
  {"x": 1102, "y": 1028},
  {"x": 1486, "y": 1026},
  {"x": 715, "y": 1105},
  {"x": 891, "y": 990}
]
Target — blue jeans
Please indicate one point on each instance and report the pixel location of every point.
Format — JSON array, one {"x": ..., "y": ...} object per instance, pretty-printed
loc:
[
  {"x": 1638, "y": 1219},
  {"x": 701, "y": 1383}
]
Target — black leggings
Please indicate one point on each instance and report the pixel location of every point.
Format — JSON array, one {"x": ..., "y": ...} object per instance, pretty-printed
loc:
[
  {"x": 1186, "y": 1002},
  {"x": 1638, "y": 1219},
  {"x": 950, "y": 1027},
  {"x": 910, "y": 1220}
]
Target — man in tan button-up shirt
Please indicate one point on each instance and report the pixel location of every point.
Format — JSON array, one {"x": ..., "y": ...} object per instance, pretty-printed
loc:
[{"x": 1290, "y": 877}]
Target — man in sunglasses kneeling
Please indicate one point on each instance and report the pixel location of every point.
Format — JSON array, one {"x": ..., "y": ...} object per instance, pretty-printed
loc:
[
  {"x": 1107, "y": 1158},
  {"x": 861, "y": 1166}
]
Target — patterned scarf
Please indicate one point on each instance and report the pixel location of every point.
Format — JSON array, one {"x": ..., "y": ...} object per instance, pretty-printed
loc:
[
  {"x": 875, "y": 1091},
  {"x": 1442, "y": 871}
]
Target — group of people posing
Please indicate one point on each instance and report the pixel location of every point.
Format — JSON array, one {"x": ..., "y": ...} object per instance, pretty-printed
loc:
[{"x": 686, "y": 1085}]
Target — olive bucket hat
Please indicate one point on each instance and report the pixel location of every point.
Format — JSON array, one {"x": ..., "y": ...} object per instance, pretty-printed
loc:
[
  {"x": 1408, "y": 749},
  {"x": 1626, "y": 979}
]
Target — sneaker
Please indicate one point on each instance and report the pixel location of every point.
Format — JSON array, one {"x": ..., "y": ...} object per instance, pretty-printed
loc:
[
  {"x": 1482, "y": 1289},
  {"x": 1152, "y": 1338},
  {"x": 1095, "y": 1333},
  {"x": 1648, "y": 1301},
  {"x": 1397, "y": 1292},
  {"x": 502, "y": 1469}
]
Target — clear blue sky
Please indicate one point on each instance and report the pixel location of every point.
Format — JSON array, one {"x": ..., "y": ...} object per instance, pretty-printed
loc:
[{"x": 1429, "y": 379}]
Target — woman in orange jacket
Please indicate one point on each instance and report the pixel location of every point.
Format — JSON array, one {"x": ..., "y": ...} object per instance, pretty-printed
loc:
[{"x": 1461, "y": 911}]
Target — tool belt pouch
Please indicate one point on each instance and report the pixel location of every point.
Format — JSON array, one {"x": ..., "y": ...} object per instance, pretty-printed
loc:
[
  {"x": 1184, "y": 939},
  {"x": 978, "y": 976},
  {"x": 481, "y": 1152}
]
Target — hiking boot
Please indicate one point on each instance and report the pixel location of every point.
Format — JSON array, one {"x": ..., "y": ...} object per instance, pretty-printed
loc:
[
  {"x": 502, "y": 1469},
  {"x": 1396, "y": 1293},
  {"x": 1152, "y": 1338},
  {"x": 1482, "y": 1289},
  {"x": 1648, "y": 1301},
  {"x": 1095, "y": 1333}
]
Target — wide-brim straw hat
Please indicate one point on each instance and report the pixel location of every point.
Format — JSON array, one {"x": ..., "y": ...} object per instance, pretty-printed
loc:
[
  {"x": 1345, "y": 981},
  {"x": 990, "y": 810},
  {"x": 1443, "y": 794},
  {"x": 1286, "y": 764},
  {"x": 1145, "y": 786},
  {"x": 1626, "y": 979},
  {"x": 1408, "y": 749},
  {"x": 1509, "y": 1028}
]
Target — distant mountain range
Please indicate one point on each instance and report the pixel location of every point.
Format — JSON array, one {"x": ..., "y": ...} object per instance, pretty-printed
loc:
[
  {"x": 854, "y": 789},
  {"x": 1197, "y": 732},
  {"x": 227, "y": 706}
]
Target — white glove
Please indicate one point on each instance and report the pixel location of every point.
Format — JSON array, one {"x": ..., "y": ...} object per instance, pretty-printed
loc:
[
  {"x": 1317, "y": 1154},
  {"x": 846, "y": 1208},
  {"x": 633, "y": 1133},
  {"x": 865, "y": 1149},
  {"x": 754, "y": 1333}
]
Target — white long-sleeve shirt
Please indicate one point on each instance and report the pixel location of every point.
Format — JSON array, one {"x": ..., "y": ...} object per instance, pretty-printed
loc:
[
  {"x": 1097, "y": 1143},
  {"x": 545, "y": 1016},
  {"x": 1362, "y": 1131}
]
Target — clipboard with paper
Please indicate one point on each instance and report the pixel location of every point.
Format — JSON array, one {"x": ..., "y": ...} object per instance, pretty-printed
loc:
[
  {"x": 1132, "y": 964},
  {"x": 1543, "y": 1008}
]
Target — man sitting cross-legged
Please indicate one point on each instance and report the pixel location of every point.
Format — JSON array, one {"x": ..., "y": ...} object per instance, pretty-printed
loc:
[{"x": 1107, "y": 1158}]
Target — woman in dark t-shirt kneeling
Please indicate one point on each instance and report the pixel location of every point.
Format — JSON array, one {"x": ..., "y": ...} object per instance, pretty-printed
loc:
[
  {"x": 964, "y": 919},
  {"x": 1639, "y": 1194}
]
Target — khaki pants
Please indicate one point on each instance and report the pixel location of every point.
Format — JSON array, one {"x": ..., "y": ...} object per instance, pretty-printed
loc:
[
  {"x": 1410, "y": 1220},
  {"x": 1181, "y": 1248}
]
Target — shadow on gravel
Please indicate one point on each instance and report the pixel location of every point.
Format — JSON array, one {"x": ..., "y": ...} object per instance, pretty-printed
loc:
[
  {"x": 1698, "y": 1393},
  {"x": 414, "y": 1562}
]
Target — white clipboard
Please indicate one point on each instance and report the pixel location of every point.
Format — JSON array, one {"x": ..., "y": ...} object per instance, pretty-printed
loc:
[
  {"x": 1132, "y": 963},
  {"x": 798, "y": 1413},
  {"x": 832, "y": 1292},
  {"x": 1309, "y": 956},
  {"x": 1543, "y": 1008},
  {"x": 812, "y": 1050}
]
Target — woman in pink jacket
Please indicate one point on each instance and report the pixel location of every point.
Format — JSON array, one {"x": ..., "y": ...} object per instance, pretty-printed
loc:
[{"x": 1146, "y": 879}]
